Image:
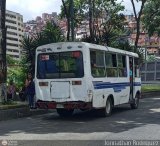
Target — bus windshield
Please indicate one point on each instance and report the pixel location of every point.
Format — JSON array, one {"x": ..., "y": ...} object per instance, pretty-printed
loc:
[{"x": 60, "y": 65}]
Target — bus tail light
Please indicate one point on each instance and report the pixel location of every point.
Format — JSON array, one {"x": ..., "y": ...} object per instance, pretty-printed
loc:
[
  {"x": 76, "y": 82},
  {"x": 43, "y": 83}
]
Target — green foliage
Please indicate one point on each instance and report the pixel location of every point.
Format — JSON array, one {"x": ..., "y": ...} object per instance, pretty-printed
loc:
[
  {"x": 113, "y": 22},
  {"x": 51, "y": 34},
  {"x": 79, "y": 10},
  {"x": 16, "y": 71},
  {"x": 92, "y": 10},
  {"x": 150, "y": 88},
  {"x": 122, "y": 44},
  {"x": 7, "y": 103},
  {"x": 151, "y": 58},
  {"x": 151, "y": 18}
]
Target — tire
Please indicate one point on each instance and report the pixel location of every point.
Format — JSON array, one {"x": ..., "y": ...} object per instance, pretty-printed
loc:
[
  {"x": 135, "y": 103},
  {"x": 106, "y": 112},
  {"x": 65, "y": 112}
]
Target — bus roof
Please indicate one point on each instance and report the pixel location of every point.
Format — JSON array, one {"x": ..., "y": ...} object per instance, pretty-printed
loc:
[{"x": 89, "y": 45}]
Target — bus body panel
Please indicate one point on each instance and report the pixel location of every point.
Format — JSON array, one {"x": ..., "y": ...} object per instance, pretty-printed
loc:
[
  {"x": 119, "y": 89},
  {"x": 63, "y": 93},
  {"x": 64, "y": 90}
]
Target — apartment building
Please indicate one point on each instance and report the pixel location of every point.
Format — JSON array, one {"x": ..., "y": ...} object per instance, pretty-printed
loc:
[{"x": 14, "y": 23}]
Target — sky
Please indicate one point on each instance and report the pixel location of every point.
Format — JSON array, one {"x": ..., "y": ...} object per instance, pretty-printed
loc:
[{"x": 32, "y": 8}]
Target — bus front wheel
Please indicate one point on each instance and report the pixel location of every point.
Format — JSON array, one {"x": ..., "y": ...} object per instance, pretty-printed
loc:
[
  {"x": 65, "y": 112},
  {"x": 107, "y": 110}
]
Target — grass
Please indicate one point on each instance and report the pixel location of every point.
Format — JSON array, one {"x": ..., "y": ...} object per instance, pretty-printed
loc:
[{"x": 150, "y": 87}]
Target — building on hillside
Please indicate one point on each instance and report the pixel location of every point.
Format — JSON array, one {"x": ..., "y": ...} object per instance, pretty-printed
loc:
[
  {"x": 14, "y": 24},
  {"x": 32, "y": 27},
  {"x": 150, "y": 44}
]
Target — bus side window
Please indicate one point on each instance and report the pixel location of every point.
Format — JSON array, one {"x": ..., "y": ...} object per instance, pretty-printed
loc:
[
  {"x": 136, "y": 67},
  {"x": 97, "y": 63},
  {"x": 111, "y": 65},
  {"x": 112, "y": 72},
  {"x": 122, "y": 66}
]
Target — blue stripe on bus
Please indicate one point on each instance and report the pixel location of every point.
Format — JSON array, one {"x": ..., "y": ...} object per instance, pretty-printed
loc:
[
  {"x": 137, "y": 84},
  {"x": 117, "y": 87}
]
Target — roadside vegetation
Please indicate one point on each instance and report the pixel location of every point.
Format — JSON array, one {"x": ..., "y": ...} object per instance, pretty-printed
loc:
[{"x": 150, "y": 87}]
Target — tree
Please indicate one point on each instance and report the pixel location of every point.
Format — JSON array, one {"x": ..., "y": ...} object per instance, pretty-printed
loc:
[
  {"x": 72, "y": 10},
  {"x": 50, "y": 34},
  {"x": 138, "y": 19},
  {"x": 3, "y": 71},
  {"x": 112, "y": 22},
  {"x": 29, "y": 46},
  {"x": 92, "y": 10},
  {"x": 151, "y": 17},
  {"x": 66, "y": 13},
  {"x": 16, "y": 71}
]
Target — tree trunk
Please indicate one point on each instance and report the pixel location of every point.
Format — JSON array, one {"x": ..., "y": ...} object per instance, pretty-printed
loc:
[
  {"x": 3, "y": 70},
  {"x": 91, "y": 20},
  {"x": 137, "y": 18},
  {"x": 68, "y": 19},
  {"x": 137, "y": 34},
  {"x": 72, "y": 18}
]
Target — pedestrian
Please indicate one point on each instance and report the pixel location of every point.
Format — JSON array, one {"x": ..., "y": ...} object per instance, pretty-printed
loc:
[
  {"x": 30, "y": 90},
  {"x": 11, "y": 90},
  {"x": 22, "y": 94}
]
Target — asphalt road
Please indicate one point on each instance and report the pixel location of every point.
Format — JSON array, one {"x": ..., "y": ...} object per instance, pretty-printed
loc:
[{"x": 85, "y": 128}]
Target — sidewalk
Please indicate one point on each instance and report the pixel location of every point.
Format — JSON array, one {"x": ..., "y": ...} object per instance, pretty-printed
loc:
[{"x": 18, "y": 110}]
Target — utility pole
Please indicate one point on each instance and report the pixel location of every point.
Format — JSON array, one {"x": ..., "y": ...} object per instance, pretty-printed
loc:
[
  {"x": 72, "y": 18},
  {"x": 3, "y": 67}
]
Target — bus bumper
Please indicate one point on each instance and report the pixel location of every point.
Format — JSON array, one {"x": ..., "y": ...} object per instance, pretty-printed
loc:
[{"x": 65, "y": 105}]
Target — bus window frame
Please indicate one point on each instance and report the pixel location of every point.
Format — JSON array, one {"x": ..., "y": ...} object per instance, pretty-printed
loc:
[
  {"x": 93, "y": 65},
  {"x": 59, "y": 76}
]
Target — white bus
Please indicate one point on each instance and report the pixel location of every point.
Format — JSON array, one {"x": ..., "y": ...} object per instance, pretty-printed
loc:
[{"x": 78, "y": 75}]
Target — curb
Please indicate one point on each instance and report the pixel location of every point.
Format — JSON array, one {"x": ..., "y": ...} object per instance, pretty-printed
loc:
[
  {"x": 8, "y": 114},
  {"x": 150, "y": 94}
]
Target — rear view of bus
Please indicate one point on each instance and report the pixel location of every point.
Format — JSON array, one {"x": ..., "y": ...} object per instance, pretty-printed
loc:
[{"x": 60, "y": 78}]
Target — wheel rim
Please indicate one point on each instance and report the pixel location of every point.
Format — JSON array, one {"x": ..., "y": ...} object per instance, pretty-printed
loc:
[{"x": 108, "y": 107}]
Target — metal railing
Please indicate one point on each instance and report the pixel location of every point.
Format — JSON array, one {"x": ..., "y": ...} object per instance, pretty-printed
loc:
[{"x": 150, "y": 72}]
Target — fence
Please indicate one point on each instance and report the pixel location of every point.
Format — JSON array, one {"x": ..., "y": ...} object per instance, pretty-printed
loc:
[{"x": 150, "y": 71}]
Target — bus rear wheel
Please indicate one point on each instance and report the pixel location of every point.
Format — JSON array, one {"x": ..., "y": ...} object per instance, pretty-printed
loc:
[
  {"x": 107, "y": 110},
  {"x": 135, "y": 103},
  {"x": 65, "y": 112}
]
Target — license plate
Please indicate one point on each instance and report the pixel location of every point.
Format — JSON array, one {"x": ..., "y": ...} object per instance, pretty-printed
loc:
[{"x": 59, "y": 106}]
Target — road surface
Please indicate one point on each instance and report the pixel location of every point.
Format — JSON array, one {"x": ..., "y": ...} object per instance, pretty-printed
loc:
[{"x": 86, "y": 128}]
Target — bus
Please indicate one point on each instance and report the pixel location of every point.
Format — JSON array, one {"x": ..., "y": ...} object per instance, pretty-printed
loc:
[{"x": 79, "y": 75}]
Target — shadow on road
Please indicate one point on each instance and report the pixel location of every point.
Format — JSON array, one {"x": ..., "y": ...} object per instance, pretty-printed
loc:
[{"x": 122, "y": 119}]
